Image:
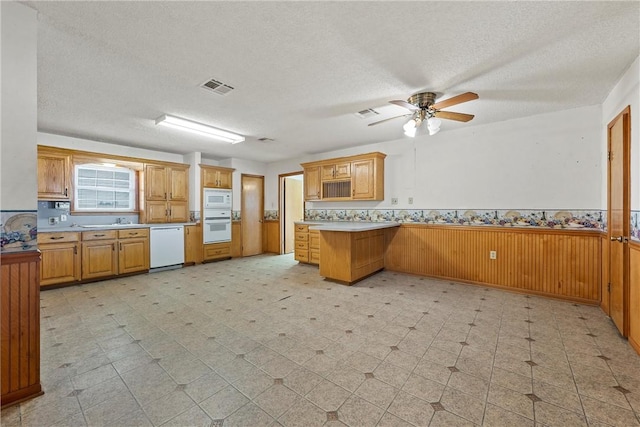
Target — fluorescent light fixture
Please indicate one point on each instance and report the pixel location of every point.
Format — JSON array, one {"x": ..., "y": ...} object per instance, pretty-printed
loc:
[{"x": 199, "y": 128}]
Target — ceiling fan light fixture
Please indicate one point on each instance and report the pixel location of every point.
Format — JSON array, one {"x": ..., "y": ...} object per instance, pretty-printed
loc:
[
  {"x": 199, "y": 129},
  {"x": 433, "y": 125}
]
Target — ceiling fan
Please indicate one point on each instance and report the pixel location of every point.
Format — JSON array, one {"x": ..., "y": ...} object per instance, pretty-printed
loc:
[{"x": 424, "y": 108}]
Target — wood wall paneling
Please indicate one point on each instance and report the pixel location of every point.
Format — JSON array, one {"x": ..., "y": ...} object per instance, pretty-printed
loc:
[
  {"x": 634, "y": 295},
  {"x": 20, "y": 367},
  {"x": 563, "y": 264}
]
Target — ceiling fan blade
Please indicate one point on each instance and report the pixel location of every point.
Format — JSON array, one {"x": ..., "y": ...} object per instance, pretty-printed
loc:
[
  {"x": 386, "y": 120},
  {"x": 405, "y": 104},
  {"x": 449, "y": 115},
  {"x": 467, "y": 96}
]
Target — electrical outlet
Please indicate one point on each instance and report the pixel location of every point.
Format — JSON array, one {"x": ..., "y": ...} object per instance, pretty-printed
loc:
[
  {"x": 394, "y": 200},
  {"x": 410, "y": 200},
  {"x": 53, "y": 220},
  {"x": 493, "y": 255},
  {"x": 63, "y": 217}
]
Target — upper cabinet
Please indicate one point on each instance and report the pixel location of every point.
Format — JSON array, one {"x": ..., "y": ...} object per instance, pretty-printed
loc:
[
  {"x": 346, "y": 178},
  {"x": 54, "y": 177},
  {"x": 216, "y": 177},
  {"x": 166, "y": 193}
]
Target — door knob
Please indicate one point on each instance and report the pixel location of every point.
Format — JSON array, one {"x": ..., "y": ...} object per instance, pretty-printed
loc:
[{"x": 620, "y": 239}]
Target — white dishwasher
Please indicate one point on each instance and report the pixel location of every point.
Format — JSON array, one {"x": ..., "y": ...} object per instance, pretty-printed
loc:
[{"x": 166, "y": 246}]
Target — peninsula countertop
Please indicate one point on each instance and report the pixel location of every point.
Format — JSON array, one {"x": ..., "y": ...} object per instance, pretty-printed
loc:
[{"x": 350, "y": 226}]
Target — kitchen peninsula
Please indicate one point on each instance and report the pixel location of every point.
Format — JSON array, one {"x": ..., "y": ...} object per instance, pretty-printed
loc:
[{"x": 351, "y": 251}]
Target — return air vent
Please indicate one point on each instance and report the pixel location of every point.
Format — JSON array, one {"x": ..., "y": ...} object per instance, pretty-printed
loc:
[
  {"x": 365, "y": 114},
  {"x": 217, "y": 87}
]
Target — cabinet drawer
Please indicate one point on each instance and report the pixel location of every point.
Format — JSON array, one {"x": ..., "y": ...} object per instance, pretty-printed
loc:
[
  {"x": 302, "y": 245},
  {"x": 44, "y": 238},
  {"x": 99, "y": 235},
  {"x": 217, "y": 250},
  {"x": 302, "y": 255},
  {"x": 133, "y": 233},
  {"x": 302, "y": 237},
  {"x": 302, "y": 228}
]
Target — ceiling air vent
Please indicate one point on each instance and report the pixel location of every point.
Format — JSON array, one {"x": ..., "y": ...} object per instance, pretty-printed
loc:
[
  {"x": 365, "y": 114},
  {"x": 217, "y": 87}
]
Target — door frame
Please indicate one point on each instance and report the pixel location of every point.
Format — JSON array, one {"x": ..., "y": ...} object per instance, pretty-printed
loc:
[
  {"x": 624, "y": 115},
  {"x": 242, "y": 211},
  {"x": 281, "y": 195}
]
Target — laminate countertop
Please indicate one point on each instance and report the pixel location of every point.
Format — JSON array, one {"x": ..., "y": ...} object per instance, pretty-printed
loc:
[{"x": 351, "y": 227}]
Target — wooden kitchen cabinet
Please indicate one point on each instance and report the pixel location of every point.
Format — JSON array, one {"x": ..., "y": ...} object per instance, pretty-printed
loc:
[
  {"x": 192, "y": 244},
  {"x": 54, "y": 175},
  {"x": 307, "y": 244},
  {"x": 340, "y": 170},
  {"x": 216, "y": 177},
  {"x": 214, "y": 251},
  {"x": 99, "y": 254},
  {"x": 133, "y": 250},
  {"x": 60, "y": 257},
  {"x": 346, "y": 178},
  {"x": 312, "y": 183},
  {"x": 166, "y": 193}
]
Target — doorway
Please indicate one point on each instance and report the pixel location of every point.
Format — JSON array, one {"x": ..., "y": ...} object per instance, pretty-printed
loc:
[
  {"x": 291, "y": 194},
  {"x": 618, "y": 216},
  {"x": 252, "y": 214}
]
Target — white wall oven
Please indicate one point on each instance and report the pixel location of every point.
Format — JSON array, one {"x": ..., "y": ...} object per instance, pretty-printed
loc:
[{"x": 216, "y": 218}]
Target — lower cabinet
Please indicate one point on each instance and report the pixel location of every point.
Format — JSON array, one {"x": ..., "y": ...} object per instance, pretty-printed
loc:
[
  {"x": 192, "y": 244},
  {"x": 69, "y": 257},
  {"x": 133, "y": 250},
  {"x": 60, "y": 257},
  {"x": 213, "y": 251},
  {"x": 307, "y": 244},
  {"x": 99, "y": 254}
]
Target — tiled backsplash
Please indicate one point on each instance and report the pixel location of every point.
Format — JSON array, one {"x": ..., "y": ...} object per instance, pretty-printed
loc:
[
  {"x": 635, "y": 225},
  {"x": 575, "y": 219}
]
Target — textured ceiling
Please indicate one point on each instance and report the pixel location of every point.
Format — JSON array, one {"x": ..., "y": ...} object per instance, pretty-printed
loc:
[{"x": 107, "y": 70}]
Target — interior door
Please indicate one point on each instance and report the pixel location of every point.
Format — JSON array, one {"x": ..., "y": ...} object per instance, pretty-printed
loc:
[
  {"x": 252, "y": 214},
  {"x": 618, "y": 219},
  {"x": 293, "y": 209}
]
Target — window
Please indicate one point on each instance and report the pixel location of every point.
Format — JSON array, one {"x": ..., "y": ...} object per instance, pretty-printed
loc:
[{"x": 101, "y": 188}]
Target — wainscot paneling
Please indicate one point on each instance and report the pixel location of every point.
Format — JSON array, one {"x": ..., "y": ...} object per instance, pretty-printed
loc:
[
  {"x": 557, "y": 263},
  {"x": 20, "y": 327},
  {"x": 634, "y": 295}
]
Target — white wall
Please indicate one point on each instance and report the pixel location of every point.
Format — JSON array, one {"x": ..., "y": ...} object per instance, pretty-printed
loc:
[
  {"x": 82, "y": 144},
  {"x": 18, "y": 152},
  {"x": 626, "y": 92},
  {"x": 550, "y": 161},
  {"x": 248, "y": 167}
]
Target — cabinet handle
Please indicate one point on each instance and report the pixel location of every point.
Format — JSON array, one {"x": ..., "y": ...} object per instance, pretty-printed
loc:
[
  {"x": 171, "y": 195},
  {"x": 353, "y": 193},
  {"x": 75, "y": 250},
  {"x": 113, "y": 247},
  {"x": 133, "y": 234},
  {"x": 169, "y": 211},
  {"x": 66, "y": 190},
  {"x": 57, "y": 238},
  {"x": 187, "y": 230},
  {"x": 120, "y": 245},
  {"x": 98, "y": 235},
  {"x": 165, "y": 195}
]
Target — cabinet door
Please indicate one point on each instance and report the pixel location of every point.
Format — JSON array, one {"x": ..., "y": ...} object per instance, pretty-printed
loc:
[
  {"x": 155, "y": 182},
  {"x": 342, "y": 170},
  {"x": 178, "y": 184},
  {"x": 328, "y": 172},
  {"x": 133, "y": 255},
  {"x": 53, "y": 176},
  {"x": 210, "y": 177},
  {"x": 312, "y": 183},
  {"x": 156, "y": 212},
  {"x": 192, "y": 244},
  {"x": 178, "y": 212},
  {"x": 363, "y": 182},
  {"x": 59, "y": 263},
  {"x": 99, "y": 259},
  {"x": 224, "y": 179}
]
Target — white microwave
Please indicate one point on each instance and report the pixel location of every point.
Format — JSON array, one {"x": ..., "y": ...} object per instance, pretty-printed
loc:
[{"x": 216, "y": 198}]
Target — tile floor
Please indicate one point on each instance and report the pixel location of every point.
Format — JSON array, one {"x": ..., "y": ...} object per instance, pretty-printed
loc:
[{"x": 264, "y": 341}]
